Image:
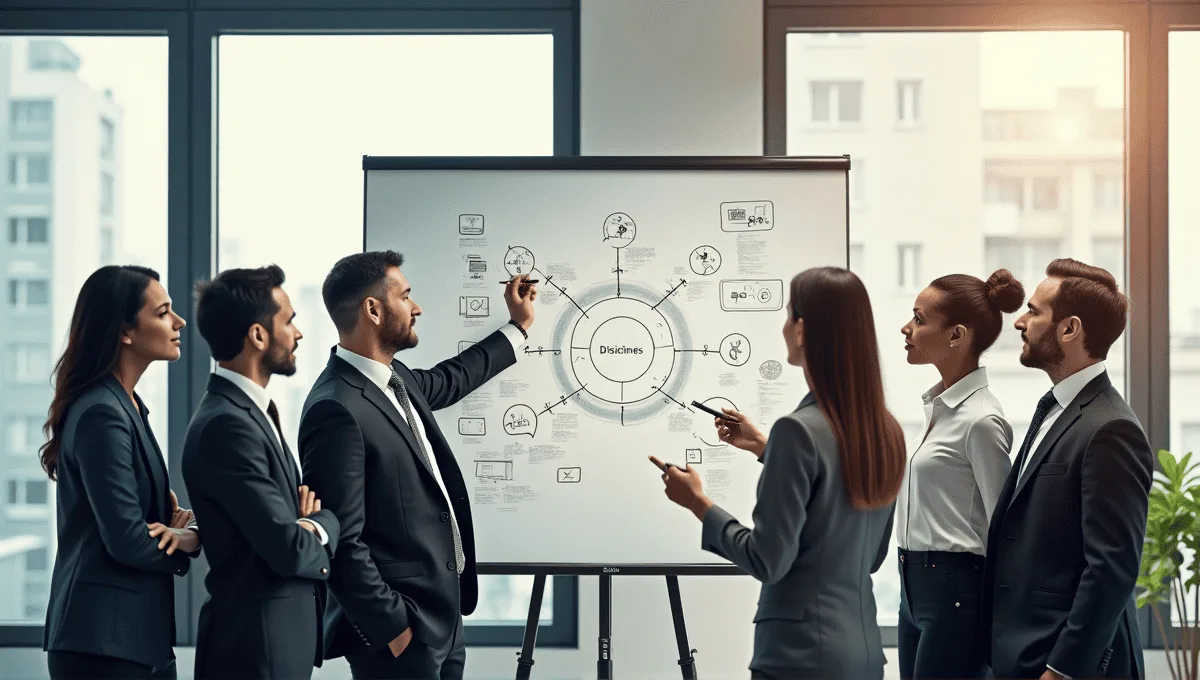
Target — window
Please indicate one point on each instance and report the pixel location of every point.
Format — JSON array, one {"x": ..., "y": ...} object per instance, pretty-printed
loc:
[
  {"x": 107, "y": 139},
  {"x": 1109, "y": 252},
  {"x": 24, "y": 231},
  {"x": 836, "y": 102},
  {"x": 27, "y": 293},
  {"x": 909, "y": 267},
  {"x": 994, "y": 92},
  {"x": 49, "y": 182},
  {"x": 31, "y": 117},
  {"x": 106, "y": 245},
  {"x": 908, "y": 102},
  {"x": 1045, "y": 193},
  {"x": 106, "y": 194},
  {"x": 29, "y": 169},
  {"x": 1107, "y": 193},
  {"x": 858, "y": 182},
  {"x": 28, "y": 362},
  {"x": 265, "y": 102},
  {"x": 858, "y": 258}
]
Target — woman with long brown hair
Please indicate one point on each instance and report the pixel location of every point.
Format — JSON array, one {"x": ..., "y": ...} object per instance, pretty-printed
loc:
[
  {"x": 954, "y": 477},
  {"x": 823, "y": 515},
  {"x": 121, "y": 535}
]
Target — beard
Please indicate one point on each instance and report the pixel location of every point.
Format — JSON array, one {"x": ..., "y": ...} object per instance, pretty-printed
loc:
[
  {"x": 397, "y": 338},
  {"x": 280, "y": 360},
  {"x": 1043, "y": 353}
]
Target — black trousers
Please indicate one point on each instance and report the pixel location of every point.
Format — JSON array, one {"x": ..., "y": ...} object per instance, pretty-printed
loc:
[
  {"x": 80, "y": 666},
  {"x": 938, "y": 636},
  {"x": 418, "y": 661}
]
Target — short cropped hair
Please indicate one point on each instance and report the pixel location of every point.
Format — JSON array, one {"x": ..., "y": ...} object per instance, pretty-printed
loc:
[
  {"x": 1091, "y": 294},
  {"x": 231, "y": 303},
  {"x": 353, "y": 279}
]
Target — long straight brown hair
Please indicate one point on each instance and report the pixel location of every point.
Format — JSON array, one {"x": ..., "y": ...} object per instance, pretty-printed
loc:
[{"x": 843, "y": 364}]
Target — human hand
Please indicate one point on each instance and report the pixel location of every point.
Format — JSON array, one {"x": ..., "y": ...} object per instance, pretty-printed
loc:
[
  {"x": 180, "y": 517},
  {"x": 1052, "y": 675},
  {"x": 519, "y": 297},
  {"x": 309, "y": 503},
  {"x": 174, "y": 539},
  {"x": 401, "y": 642},
  {"x": 743, "y": 434},
  {"x": 683, "y": 487}
]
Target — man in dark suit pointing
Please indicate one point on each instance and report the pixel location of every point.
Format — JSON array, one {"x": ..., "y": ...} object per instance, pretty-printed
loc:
[
  {"x": 268, "y": 541},
  {"x": 404, "y": 574},
  {"x": 1065, "y": 542}
]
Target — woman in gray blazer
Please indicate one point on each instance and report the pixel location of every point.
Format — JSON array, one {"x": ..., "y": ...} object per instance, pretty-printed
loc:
[
  {"x": 823, "y": 516},
  {"x": 121, "y": 535}
]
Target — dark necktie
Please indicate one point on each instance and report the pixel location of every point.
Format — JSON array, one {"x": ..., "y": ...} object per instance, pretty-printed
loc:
[
  {"x": 397, "y": 386},
  {"x": 273, "y": 411},
  {"x": 1044, "y": 405}
]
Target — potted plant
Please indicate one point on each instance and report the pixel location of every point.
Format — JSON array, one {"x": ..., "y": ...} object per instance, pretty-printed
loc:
[{"x": 1173, "y": 527}]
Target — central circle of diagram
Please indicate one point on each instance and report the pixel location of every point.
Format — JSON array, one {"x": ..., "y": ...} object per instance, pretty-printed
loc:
[{"x": 622, "y": 350}]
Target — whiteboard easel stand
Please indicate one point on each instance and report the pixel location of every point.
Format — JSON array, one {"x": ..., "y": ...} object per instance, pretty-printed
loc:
[{"x": 604, "y": 660}]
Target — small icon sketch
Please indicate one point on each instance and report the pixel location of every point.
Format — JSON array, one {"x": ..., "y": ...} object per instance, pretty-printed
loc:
[
  {"x": 518, "y": 260},
  {"x": 475, "y": 263},
  {"x": 620, "y": 229},
  {"x": 694, "y": 457},
  {"x": 751, "y": 295},
  {"x": 569, "y": 475},
  {"x": 463, "y": 345},
  {"x": 494, "y": 470},
  {"x": 747, "y": 216},
  {"x": 520, "y": 419},
  {"x": 473, "y": 306},
  {"x": 770, "y": 369},
  {"x": 470, "y": 225},
  {"x": 735, "y": 349},
  {"x": 472, "y": 427},
  {"x": 705, "y": 260}
]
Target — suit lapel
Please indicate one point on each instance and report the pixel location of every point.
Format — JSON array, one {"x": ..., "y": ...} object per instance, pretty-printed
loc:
[
  {"x": 152, "y": 459},
  {"x": 373, "y": 394},
  {"x": 1065, "y": 420},
  {"x": 220, "y": 386}
]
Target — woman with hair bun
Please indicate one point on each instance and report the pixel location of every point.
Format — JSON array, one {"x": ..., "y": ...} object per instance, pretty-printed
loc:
[{"x": 954, "y": 477}]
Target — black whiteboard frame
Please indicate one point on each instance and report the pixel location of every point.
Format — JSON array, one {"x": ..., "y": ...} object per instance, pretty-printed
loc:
[{"x": 688, "y": 163}]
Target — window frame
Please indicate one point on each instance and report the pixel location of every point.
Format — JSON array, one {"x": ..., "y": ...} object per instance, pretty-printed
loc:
[
  {"x": 1148, "y": 338},
  {"x": 192, "y": 27}
]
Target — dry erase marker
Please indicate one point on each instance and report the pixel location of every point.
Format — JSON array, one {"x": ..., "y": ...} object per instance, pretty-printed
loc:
[
  {"x": 718, "y": 414},
  {"x": 527, "y": 281}
]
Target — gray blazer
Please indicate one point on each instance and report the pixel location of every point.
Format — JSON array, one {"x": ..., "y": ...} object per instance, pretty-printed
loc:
[{"x": 814, "y": 554}]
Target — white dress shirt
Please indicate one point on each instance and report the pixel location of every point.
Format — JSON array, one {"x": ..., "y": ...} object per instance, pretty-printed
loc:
[
  {"x": 262, "y": 400},
  {"x": 954, "y": 478},
  {"x": 381, "y": 374},
  {"x": 1064, "y": 393}
]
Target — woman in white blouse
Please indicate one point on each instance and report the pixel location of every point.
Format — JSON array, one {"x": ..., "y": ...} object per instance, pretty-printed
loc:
[{"x": 954, "y": 477}]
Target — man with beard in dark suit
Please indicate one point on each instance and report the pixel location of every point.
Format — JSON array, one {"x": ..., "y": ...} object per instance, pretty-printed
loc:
[
  {"x": 269, "y": 543},
  {"x": 1065, "y": 541},
  {"x": 404, "y": 574}
]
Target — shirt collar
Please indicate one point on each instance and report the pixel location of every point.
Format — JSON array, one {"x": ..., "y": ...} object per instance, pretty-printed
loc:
[
  {"x": 958, "y": 392},
  {"x": 376, "y": 372},
  {"x": 252, "y": 389},
  {"x": 1070, "y": 387}
]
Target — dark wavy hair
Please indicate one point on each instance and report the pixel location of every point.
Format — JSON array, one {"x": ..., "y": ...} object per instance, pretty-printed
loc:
[{"x": 108, "y": 304}]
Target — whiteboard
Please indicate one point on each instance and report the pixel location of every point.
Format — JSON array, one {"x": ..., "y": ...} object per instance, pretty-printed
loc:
[{"x": 663, "y": 281}]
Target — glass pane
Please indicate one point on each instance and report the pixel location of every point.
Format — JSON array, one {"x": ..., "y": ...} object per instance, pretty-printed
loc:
[
  {"x": 57, "y": 91},
  {"x": 325, "y": 90},
  {"x": 1183, "y": 92},
  {"x": 1014, "y": 128}
]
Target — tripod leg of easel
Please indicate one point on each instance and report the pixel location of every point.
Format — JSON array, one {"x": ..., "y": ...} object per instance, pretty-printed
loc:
[
  {"x": 525, "y": 657},
  {"x": 687, "y": 663},
  {"x": 604, "y": 665}
]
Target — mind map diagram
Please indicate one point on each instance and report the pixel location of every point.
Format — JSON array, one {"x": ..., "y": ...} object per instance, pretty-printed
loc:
[{"x": 622, "y": 351}]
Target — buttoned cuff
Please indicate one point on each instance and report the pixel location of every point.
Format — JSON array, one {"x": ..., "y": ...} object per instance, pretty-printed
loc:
[
  {"x": 514, "y": 335},
  {"x": 320, "y": 530}
]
